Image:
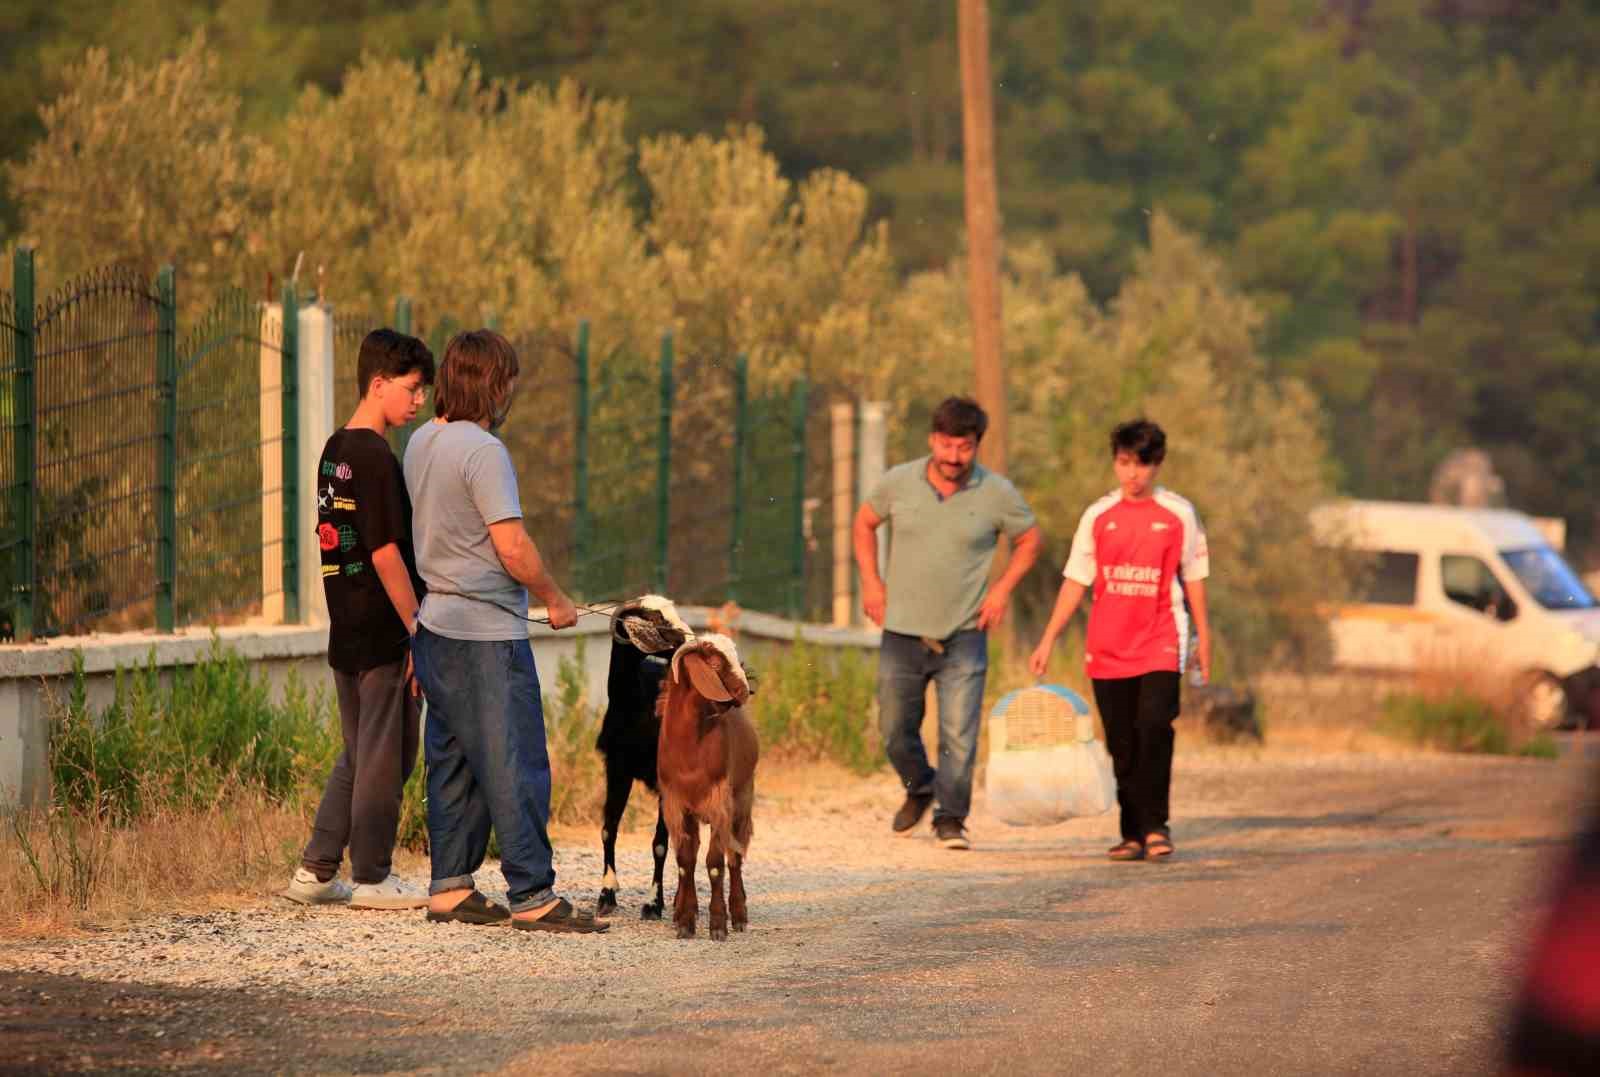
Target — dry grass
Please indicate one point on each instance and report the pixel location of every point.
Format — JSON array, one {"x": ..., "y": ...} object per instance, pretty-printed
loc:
[
  {"x": 142, "y": 824},
  {"x": 62, "y": 870},
  {"x": 1320, "y": 713},
  {"x": 1447, "y": 669},
  {"x": 96, "y": 876},
  {"x": 1346, "y": 711}
]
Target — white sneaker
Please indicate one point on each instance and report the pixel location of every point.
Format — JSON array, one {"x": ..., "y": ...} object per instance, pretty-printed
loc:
[
  {"x": 305, "y": 889},
  {"x": 389, "y": 894}
]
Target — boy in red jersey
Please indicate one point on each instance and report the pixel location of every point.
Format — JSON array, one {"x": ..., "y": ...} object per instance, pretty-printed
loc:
[{"x": 1142, "y": 551}]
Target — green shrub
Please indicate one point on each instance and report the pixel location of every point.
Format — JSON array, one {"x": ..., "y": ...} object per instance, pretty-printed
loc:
[
  {"x": 1541, "y": 746},
  {"x": 413, "y": 830},
  {"x": 1459, "y": 722},
  {"x": 817, "y": 702},
  {"x": 572, "y": 722},
  {"x": 70, "y": 862},
  {"x": 209, "y": 730}
]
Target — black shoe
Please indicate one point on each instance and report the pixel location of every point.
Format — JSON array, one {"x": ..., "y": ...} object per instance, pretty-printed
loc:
[
  {"x": 951, "y": 832},
  {"x": 912, "y": 811}
]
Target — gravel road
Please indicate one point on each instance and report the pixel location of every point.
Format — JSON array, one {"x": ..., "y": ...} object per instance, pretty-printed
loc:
[{"x": 1325, "y": 913}]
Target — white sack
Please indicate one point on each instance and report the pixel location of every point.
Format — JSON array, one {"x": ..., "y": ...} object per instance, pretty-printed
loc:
[{"x": 1039, "y": 786}]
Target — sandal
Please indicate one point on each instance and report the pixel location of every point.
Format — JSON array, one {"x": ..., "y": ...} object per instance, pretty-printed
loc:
[
  {"x": 563, "y": 918},
  {"x": 1127, "y": 850},
  {"x": 1158, "y": 846},
  {"x": 473, "y": 909}
]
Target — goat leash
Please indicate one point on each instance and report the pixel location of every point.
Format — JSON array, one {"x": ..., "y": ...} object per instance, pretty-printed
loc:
[{"x": 601, "y": 609}]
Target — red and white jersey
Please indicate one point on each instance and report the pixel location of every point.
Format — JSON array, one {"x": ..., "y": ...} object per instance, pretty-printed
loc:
[{"x": 1135, "y": 555}]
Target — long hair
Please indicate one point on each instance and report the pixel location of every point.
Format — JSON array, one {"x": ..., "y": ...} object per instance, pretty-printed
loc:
[{"x": 475, "y": 378}]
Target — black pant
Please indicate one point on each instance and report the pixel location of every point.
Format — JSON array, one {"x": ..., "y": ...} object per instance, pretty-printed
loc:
[
  {"x": 1138, "y": 713},
  {"x": 380, "y": 721}
]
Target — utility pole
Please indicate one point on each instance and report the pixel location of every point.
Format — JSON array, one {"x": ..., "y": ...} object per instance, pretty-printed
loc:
[{"x": 983, "y": 226}]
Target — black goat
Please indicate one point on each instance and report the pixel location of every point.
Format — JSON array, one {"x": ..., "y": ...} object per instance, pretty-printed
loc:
[{"x": 644, "y": 634}]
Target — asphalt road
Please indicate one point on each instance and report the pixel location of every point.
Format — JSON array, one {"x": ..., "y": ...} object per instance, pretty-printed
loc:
[{"x": 1343, "y": 914}]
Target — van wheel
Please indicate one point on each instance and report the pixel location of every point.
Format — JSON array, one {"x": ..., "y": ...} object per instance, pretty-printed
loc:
[{"x": 1543, "y": 702}]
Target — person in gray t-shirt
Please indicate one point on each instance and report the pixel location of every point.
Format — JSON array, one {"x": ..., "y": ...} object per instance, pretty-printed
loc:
[
  {"x": 462, "y": 483},
  {"x": 946, "y": 513},
  {"x": 485, "y": 740}
]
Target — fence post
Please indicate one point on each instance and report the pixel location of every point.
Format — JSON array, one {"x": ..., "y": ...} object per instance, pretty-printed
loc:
[
  {"x": 24, "y": 436},
  {"x": 797, "y": 549},
  {"x": 872, "y": 439},
  {"x": 167, "y": 448},
  {"x": 314, "y": 425},
  {"x": 741, "y": 426},
  {"x": 402, "y": 315},
  {"x": 270, "y": 339},
  {"x": 664, "y": 466},
  {"x": 858, "y": 494},
  {"x": 842, "y": 420},
  {"x": 580, "y": 464},
  {"x": 291, "y": 455}
]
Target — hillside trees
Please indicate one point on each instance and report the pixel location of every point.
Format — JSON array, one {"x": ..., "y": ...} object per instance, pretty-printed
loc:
[
  {"x": 472, "y": 195},
  {"x": 475, "y": 196},
  {"x": 142, "y": 165}
]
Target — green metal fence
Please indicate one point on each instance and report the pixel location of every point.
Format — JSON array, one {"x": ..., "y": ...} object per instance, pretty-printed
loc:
[
  {"x": 16, "y": 452},
  {"x": 101, "y": 355},
  {"x": 732, "y": 523},
  {"x": 143, "y": 470},
  {"x": 543, "y": 437},
  {"x": 349, "y": 328},
  {"x": 661, "y": 473},
  {"x": 230, "y": 429},
  {"x": 132, "y": 468}
]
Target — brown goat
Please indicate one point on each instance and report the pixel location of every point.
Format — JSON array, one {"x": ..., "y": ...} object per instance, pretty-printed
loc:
[{"x": 706, "y": 767}]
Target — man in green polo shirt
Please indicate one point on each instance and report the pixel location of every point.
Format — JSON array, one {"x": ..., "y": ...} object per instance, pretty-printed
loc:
[{"x": 945, "y": 512}]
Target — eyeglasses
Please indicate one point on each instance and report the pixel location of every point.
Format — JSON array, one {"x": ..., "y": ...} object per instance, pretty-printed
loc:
[{"x": 419, "y": 391}]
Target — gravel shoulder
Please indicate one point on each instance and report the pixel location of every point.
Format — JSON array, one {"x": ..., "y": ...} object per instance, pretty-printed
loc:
[{"x": 1326, "y": 913}]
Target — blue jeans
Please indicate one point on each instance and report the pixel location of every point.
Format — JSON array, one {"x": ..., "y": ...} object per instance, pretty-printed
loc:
[
  {"x": 487, "y": 764},
  {"x": 905, "y": 666}
]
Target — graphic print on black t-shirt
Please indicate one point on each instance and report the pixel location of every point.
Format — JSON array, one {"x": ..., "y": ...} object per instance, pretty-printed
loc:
[{"x": 361, "y": 506}]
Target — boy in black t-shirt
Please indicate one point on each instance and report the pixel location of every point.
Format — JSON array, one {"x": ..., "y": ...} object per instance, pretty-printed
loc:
[{"x": 369, "y": 574}]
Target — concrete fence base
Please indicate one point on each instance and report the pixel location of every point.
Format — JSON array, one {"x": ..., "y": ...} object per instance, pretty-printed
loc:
[{"x": 35, "y": 678}]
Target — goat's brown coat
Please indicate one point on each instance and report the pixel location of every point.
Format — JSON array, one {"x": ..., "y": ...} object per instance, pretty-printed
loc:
[{"x": 706, "y": 762}]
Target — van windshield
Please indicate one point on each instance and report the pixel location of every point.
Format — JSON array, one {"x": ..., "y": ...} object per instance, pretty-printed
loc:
[{"x": 1549, "y": 579}]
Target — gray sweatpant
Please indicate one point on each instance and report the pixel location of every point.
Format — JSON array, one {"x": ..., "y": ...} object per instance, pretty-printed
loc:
[{"x": 381, "y": 724}]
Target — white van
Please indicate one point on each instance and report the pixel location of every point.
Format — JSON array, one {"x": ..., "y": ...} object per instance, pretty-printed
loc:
[{"x": 1457, "y": 589}]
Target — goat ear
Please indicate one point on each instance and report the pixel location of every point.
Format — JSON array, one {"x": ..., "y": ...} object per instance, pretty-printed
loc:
[{"x": 705, "y": 679}]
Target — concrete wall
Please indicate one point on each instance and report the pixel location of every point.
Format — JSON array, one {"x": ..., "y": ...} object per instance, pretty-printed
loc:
[{"x": 35, "y": 675}]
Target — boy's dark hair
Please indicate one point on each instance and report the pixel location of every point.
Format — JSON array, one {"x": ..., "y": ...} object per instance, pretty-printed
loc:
[
  {"x": 388, "y": 354},
  {"x": 959, "y": 417},
  {"x": 1141, "y": 437},
  {"x": 475, "y": 378}
]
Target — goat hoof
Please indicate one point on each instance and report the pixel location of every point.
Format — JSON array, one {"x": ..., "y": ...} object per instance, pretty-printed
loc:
[
  {"x": 607, "y": 903},
  {"x": 650, "y": 912},
  {"x": 719, "y": 934},
  {"x": 738, "y": 925},
  {"x": 685, "y": 931}
]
